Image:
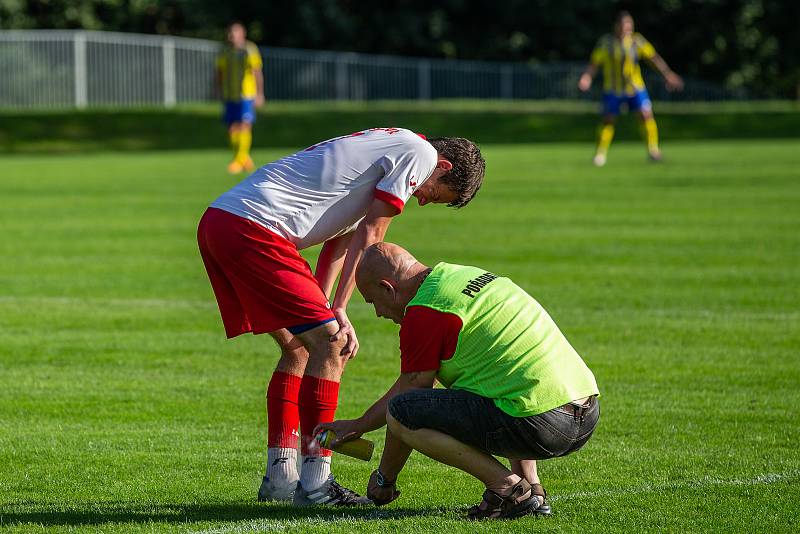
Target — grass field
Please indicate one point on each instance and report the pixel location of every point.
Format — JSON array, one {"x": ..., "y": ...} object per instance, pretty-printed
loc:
[
  {"x": 292, "y": 124},
  {"x": 124, "y": 409}
]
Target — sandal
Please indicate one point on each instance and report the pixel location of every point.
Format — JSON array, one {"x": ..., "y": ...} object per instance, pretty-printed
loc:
[
  {"x": 543, "y": 507},
  {"x": 509, "y": 506}
]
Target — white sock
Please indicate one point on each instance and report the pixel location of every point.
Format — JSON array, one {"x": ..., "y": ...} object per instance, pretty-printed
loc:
[
  {"x": 282, "y": 465},
  {"x": 315, "y": 471}
]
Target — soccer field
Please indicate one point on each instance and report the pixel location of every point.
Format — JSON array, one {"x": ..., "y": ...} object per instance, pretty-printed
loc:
[{"x": 124, "y": 409}]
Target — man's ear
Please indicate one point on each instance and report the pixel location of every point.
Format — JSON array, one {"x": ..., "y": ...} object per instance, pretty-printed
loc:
[
  {"x": 386, "y": 286},
  {"x": 444, "y": 164}
]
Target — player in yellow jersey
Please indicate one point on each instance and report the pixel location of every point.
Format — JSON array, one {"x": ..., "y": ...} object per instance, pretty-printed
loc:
[
  {"x": 241, "y": 84},
  {"x": 619, "y": 55}
]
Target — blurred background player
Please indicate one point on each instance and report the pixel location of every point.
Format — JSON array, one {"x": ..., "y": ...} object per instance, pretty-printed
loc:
[
  {"x": 342, "y": 192},
  {"x": 241, "y": 83},
  {"x": 618, "y": 55}
]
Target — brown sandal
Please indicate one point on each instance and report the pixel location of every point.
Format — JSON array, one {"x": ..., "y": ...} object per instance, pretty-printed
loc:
[
  {"x": 543, "y": 507},
  {"x": 510, "y": 506}
]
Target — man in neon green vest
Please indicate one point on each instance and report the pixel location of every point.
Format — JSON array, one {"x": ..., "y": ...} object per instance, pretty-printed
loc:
[{"x": 515, "y": 387}]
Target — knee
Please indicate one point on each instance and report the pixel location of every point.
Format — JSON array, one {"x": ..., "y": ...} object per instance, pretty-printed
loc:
[
  {"x": 396, "y": 419},
  {"x": 396, "y": 427},
  {"x": 335, "y": 346},
  {"x": 293, "y": 349},
  {"x": 328, "y": 352}
]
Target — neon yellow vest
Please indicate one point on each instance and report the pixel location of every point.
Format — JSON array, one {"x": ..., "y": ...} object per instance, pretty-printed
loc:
[{"x": 509, "y": 348}]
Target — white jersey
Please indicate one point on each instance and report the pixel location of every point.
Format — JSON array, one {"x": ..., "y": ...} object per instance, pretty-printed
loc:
[{"x": 325, "y": 190}]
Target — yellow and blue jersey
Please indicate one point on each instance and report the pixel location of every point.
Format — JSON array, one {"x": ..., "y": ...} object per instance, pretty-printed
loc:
[
  {"x": 619, "y": 61},
  {"x": 237, "y": 67}
]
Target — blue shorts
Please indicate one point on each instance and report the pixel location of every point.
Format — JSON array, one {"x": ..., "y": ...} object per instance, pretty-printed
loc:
[
  {"x": 242, "y": 111},
  {"x": 640, "y": 101}
]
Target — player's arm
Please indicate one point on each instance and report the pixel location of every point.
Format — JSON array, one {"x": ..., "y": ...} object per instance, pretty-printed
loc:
[
  {"x": 369, "y": 231},
  {"x": 395, "y": 451},
  {"x": 672, "y": 80},
  {"x": 259, "y": 76},
  {"x": 599, "y": 56},
  {"x": 375, "y": 416},
  {"x": 648, "y": 52},
  {"x": 585, "y": 81},
  {"x": 330, "y": 261}
]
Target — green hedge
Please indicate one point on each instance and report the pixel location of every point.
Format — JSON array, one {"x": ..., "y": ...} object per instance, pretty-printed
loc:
[{"x": 300, "y": 124}]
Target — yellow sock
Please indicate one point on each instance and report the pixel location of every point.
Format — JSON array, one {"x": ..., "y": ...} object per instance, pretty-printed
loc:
[
  {"x": 651, "y": 134},
  {"x": 233, "y": 136},
  {"x": 245, "y": 140},
  {"x": 605, "y": 135}
]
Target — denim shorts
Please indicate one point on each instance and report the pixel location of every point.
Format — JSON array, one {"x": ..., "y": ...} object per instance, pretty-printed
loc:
[{"x": 476, "y": 421}]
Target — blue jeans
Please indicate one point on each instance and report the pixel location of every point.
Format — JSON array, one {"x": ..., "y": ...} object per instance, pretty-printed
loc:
[{"x": 476, "y": 421}]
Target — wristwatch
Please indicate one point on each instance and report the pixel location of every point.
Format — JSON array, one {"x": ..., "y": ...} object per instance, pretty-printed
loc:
[{"x": 382, "y": 481}]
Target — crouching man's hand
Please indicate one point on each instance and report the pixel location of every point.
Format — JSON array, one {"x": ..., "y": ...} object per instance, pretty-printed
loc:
[
  {"x": 345, "y": 430},
  {"x": 380, "y": 490}
]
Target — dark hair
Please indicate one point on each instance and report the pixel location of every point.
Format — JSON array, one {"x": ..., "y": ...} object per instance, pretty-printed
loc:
[
  {"x": 621, "y": 15},
  {"x": 466, "y": 176}
]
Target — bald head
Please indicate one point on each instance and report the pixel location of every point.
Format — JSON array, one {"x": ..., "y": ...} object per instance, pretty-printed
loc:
[
  {"x": 384, "y": 260},
  {"x": 388, "y": 277}
]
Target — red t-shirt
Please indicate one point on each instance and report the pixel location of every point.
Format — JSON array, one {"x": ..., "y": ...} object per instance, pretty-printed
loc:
[{"x": 427, "y": 336}]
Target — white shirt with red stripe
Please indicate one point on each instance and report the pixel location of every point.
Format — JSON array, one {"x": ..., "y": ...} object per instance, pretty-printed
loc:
[{"x": 324, "y": 191}]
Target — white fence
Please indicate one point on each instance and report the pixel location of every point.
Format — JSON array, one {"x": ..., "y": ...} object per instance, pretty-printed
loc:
[{"x": 57, "y": 69}]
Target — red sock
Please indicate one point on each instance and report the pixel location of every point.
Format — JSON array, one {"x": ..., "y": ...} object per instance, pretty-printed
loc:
[
  {"x": 283, "y": 411},
  {"x": 318, "y": 400}
]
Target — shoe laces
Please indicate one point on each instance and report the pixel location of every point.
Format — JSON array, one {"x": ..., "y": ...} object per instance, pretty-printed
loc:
[{"x": 344, "y": 495}]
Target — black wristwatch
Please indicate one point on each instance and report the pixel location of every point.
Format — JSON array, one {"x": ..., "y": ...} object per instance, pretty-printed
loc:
[{"x": 381, "y": 481}]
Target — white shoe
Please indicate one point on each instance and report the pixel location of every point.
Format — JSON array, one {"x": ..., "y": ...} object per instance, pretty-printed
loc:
[
  {"x": 276, "y": 492},
  {"x": 599, "y": 160}
]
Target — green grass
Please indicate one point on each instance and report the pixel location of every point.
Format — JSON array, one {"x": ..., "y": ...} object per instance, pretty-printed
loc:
[
  {"x": 124, "y": 409},
  {"x": 292, "y": 124}
]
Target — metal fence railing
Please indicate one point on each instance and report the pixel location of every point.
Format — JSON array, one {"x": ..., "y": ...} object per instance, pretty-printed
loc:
[{"x": 54, "y": 68}]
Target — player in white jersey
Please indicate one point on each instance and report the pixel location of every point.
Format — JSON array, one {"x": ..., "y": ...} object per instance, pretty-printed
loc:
[{"x": 342, "y": 192}]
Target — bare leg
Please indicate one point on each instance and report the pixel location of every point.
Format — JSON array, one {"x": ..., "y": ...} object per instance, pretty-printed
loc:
[
  {"x": 294, "y": 355},
  {"x": 324, "y": 356},
  {"x": 526, "y": 469},
  {"x": 446, "y": 449}
]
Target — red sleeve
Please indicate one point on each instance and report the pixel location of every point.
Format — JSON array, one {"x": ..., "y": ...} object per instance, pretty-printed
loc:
[
  {"x": 390, "y": 199},
  {"x": 427, "y": 336}
]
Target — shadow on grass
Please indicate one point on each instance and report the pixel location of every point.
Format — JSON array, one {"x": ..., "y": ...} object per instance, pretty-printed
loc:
[{"x": 56, "y": 514}]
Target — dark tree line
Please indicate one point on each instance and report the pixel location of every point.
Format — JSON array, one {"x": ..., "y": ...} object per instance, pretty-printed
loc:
[{"x": 753, "y": 44}]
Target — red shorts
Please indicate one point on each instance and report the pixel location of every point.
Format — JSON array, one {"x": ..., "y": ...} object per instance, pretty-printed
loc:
[{"x": 261, "y": 282}]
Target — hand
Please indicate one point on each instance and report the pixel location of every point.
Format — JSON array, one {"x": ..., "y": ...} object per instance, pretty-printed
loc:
[
  {"x": 673, "y": 82},
  {"x": 259, "y": 100},
  {"x": 585, "y": 83},
  {"x": 347, "y": 333},
  {"x": 345, "y": 430},
  {"x": 381, "y": 495}
]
